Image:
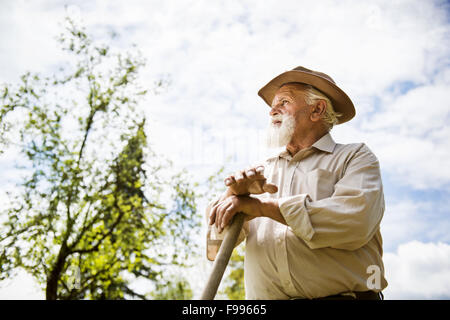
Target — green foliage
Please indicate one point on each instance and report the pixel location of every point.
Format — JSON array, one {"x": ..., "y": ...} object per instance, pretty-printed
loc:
[
  {"x": 173, "y": 290},
  {"x": 92, "y": 197}
]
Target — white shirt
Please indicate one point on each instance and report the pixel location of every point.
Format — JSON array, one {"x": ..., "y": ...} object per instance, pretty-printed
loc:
[{"x": 331, "y": 197}]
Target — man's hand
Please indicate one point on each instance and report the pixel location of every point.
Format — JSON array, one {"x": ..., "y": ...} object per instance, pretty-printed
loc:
[
  {"x": 235, "y": 199},
  {"x": 224, "y": 211},
  {"x": 249, "y": 181}
]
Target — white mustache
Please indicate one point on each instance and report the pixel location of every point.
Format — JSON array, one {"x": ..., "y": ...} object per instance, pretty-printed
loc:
[
  {"x": 278, "y": 117},
  {"x": 280, "y": 135}
]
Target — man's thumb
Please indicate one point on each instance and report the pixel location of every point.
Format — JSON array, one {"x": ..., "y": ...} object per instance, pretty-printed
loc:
[{"x": 270, "y": 188}]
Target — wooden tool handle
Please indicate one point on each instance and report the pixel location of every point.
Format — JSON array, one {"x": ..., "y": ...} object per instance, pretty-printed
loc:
[{"x": 223, "y": 257}]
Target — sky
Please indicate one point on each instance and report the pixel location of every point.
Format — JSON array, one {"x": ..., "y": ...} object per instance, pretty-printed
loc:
[{"x": 392, "y": 58}]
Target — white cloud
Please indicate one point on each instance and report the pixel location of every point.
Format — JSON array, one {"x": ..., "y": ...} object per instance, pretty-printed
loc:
[
  {"x": 367, "y": 49},
  {"x": 407, "y": 220},
  {"x": 28, "y": 38},
  {"x": 409, "y": 134},
  {"x": 21, "y": 287},
  {"x": 418, "y": 271},
  {"x": 218, "y": 54}
]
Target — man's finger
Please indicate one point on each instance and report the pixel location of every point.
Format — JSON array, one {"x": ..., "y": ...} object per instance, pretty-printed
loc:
[
  {"x": 260, "y": 170},
  {"x": 228, "y": 214},
  {"x": 223, "y": 214},
  {"x": 250, "y": 172},
  {"x": 239, "y": 176},
  {"x": 217, "y": 214},
  {"x": 269, "y": 187},
  {"x": 220, "y": 214},
  {"x": 212, "y": 215},
  {"x": 229, "y": 181}
]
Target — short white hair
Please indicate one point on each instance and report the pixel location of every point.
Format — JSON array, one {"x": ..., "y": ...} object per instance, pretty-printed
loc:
[{"x": 312, "y": 95}]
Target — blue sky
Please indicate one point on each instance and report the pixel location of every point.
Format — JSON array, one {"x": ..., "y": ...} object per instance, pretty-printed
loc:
[{"x": 391, "y": 58}]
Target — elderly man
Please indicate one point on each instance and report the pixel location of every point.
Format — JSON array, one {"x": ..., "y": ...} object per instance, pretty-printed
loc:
[{"x": 313, "y": 220}]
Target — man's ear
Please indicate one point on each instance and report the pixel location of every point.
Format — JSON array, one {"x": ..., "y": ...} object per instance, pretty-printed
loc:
[{"x": 318, "y": 110}]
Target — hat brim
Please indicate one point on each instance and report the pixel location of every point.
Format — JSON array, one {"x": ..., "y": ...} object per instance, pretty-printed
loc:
[{"x": 341, "y": 102}]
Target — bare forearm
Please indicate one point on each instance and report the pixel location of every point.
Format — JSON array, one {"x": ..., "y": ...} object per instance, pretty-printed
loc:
[
  {"x": 223, "y": 211},
  {"x": 269, "y": 208},
  {"x": 265, "y": 207}
]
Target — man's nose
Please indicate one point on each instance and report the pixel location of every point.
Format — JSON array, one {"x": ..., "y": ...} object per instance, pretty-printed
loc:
[{"x": 273, "y": 111}]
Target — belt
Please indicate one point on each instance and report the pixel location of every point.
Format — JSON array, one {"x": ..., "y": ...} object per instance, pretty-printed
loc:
[{"x": 355, "y": 295}]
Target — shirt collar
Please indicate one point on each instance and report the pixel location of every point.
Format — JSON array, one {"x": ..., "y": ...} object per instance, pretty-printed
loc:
[{"x": 326, "y": 143}]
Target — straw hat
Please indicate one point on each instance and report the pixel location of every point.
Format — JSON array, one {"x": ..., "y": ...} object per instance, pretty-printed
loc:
[{"x": 341, "y": 102}]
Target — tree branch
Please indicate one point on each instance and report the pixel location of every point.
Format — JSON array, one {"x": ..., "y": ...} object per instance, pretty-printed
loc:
[
  {"x": 133, "y": 293},
  {"x": 95, "y": 247}
]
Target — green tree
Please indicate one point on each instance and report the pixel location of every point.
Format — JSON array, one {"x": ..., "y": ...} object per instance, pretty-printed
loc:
[
  {"x": 97, "y": 208},
  {"x": 173, "y": 290}
]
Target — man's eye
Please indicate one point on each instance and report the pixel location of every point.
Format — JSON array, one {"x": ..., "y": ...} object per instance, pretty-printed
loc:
[{"x": 283, "y": 102}]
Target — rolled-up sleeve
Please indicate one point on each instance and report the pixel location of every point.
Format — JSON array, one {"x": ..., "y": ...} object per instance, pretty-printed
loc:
[{"x": 350, "y": 217}]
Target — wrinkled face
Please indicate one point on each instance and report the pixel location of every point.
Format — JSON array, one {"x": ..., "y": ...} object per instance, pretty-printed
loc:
[
  {"x": 289, "y": 99},
  {"x": 288, "y": 114}
]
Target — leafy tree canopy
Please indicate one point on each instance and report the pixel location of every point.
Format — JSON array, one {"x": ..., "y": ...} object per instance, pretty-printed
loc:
[{"x": 96, "y": 208}]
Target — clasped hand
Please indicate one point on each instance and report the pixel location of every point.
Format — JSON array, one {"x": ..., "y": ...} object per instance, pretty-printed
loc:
[{"x": 237, "y": 197}]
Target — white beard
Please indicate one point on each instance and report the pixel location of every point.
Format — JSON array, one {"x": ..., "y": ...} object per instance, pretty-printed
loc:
[{"x": 280, "y": 135}]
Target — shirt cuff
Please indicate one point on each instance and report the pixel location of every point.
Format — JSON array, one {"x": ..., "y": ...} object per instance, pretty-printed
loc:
[{"x": 293, "y": 209}]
